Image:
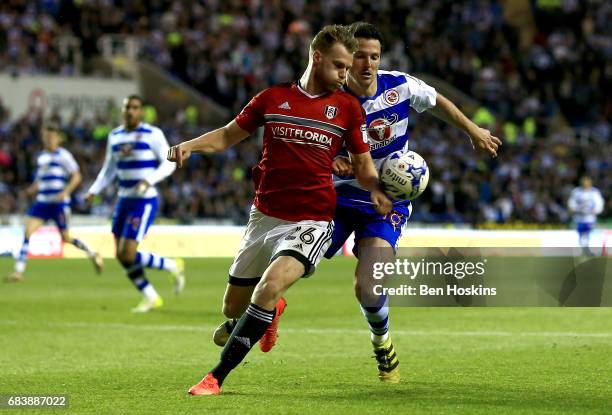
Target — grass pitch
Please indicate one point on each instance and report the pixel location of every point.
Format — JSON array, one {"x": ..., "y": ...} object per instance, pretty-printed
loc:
[{"x": 66, "y": 331}]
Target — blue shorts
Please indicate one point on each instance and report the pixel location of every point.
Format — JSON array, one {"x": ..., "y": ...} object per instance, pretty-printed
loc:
[
  {"x": 57, "y": 212},
  {"x": 132, "y": 217},
  {"x": 367, "y": 223},
  {"x": 584, "y": 227}
]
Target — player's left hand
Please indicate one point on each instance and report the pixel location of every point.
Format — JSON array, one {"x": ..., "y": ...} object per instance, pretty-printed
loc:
[
  {"x": 179, "y": 154},
  {"x": 142, "y": 187},
  {"x": 382, "y": 203},
  {"x": 342, "y": 166},
  {"x": 61, "y": 196},
  {"x": 484, "y": 142}
]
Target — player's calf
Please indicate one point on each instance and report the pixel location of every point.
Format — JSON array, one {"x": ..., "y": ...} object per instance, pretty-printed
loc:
[
  {"x": 126, "y": 258},
  {"x": 95, "y": 257},
  {"x": 237, "y": 298}
]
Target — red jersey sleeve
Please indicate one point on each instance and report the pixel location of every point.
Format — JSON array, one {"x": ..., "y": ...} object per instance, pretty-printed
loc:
[
  {"x": 356, "y": 141},
  {"x": 252, "y": 116}
]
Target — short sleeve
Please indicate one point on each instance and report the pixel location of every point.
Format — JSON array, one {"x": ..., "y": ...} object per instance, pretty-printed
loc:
[
  {"x": 69, "y": 162},
  {"x": 422, "y": 96},
  {"x": 252, "y": 116},
  {"x": 356, "y": 140}
]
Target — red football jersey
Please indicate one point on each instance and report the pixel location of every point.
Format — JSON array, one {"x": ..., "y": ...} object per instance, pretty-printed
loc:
[{"x": 302, "y": 135}]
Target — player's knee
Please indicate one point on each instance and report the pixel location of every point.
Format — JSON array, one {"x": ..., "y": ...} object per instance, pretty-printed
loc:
[
  {"x": 125, "y": 257},
  {"x": 269, "y": 287}
]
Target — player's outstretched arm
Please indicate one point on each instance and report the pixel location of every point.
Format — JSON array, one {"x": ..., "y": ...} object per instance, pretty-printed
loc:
[
  {"x": 367, "y": 176},
  {"x": 212, "y": 142},
  {"x": 598, "y": 203},
  {"x": 160, "y": 147},
  {"x": 106, "y": 175},
  {"x": 572, "y": 203},
  {"x": 482, "y": 139}
]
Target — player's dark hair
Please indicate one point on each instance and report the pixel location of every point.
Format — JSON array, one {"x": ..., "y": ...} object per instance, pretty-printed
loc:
[
  {"x": 51, "y": 125},
  {"x": 332, "y": 34},
  {"x": 366, "y": 30},
  {"x": 136, "y": 97}
]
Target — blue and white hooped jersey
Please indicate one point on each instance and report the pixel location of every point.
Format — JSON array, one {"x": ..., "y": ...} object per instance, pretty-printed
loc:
[
  {"x": 133, "y": 156},
  {"x": 586, "y": 204},
  {"x": 386, "y": 124},
  {"x": 53, "y": 171}
]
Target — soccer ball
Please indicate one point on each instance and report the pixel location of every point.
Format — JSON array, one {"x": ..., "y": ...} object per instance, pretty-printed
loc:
[{"x": 404, "y": 176}]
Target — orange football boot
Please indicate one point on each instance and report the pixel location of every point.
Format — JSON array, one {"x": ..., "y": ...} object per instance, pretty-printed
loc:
[
  {"x": 207, "y": 386},
  {"x": 268, "y": 340}
]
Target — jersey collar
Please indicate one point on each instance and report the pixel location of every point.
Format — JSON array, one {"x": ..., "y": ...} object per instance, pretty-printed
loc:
[{"x": 309, "y": 95}]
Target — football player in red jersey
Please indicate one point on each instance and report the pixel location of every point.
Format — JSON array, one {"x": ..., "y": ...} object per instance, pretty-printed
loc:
[{"x": 305, "y": 124}]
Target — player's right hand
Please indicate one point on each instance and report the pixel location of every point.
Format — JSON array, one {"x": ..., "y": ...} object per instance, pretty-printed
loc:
[
  {"x": 89, "y": 198},
  {"x": 178, "y": 154},
  {"x": 382, "y": 204},
  {"x": 484, "y": 142},
  {"x": 342, "y": 166}
]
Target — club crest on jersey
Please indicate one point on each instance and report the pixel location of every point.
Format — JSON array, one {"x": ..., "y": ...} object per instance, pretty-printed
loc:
[
  {"x": 126, "y": 149},
  {"x": 330, "y": 112},
  {"x": 391, "y": 96}
]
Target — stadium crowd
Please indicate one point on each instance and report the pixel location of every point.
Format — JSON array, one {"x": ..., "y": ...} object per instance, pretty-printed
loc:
[{"x": 230, "y": 50}]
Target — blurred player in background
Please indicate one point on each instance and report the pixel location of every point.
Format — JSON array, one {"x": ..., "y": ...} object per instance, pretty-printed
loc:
[
  {"x": 57, "y": 176},
  {"x": 305, "y": 125},
  {"x": 386, "y": 97},
  {"x": 136, "y": 154},
  {"x": 585, "y": 203}
]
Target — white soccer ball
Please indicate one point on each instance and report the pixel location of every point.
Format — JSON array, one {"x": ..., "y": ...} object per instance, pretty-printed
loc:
[{"x": 404, "y": 176}]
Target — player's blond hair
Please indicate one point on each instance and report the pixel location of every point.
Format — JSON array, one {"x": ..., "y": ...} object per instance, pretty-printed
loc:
[{"x": 332, "y": 34}]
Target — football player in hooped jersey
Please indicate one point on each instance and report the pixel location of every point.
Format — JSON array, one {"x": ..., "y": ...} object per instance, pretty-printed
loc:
[
  {"x": 386, "y": 97},
  {"x": 136, "y": 155},
  {"x": 305, "y": 124},
  {"x": 585, "y": 203},
  {"x": 57, "y": 176}
]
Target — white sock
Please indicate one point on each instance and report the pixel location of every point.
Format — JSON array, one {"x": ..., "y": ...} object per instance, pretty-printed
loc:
[
  {"x": 20, "y": 267},
  {"x": 150, "y": 293},
  {"x": 377, "y": 340}
]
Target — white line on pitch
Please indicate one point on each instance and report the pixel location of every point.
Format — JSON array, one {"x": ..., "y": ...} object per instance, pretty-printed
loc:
[{"x": 191, "y": 328}]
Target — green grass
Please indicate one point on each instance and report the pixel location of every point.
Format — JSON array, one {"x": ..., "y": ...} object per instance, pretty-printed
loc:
[{"x": 66, "y": 331}]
